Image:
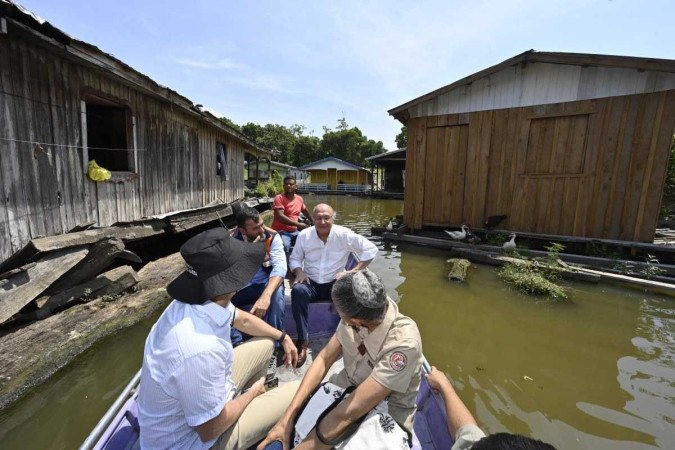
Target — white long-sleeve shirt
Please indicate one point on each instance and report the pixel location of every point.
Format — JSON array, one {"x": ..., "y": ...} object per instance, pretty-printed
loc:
[{"x": 321, "y": 262}]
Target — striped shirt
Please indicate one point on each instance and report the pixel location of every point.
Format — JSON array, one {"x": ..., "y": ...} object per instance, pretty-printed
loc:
[{"x": 186, "y": 375}]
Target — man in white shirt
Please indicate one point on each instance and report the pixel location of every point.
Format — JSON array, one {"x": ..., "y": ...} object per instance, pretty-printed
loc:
[
  {"x": 192, "y": 381},
  {"x": 318, "y": 259}
]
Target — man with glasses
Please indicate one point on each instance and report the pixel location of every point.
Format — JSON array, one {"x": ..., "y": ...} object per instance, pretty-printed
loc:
[{"x": 318, "y": 259}]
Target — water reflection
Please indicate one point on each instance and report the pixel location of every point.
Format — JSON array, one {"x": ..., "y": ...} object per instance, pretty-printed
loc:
[{"x": 595, "y": 373}]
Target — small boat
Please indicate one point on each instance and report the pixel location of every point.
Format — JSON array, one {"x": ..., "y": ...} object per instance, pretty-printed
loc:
[{"x": 119, "y": 428}]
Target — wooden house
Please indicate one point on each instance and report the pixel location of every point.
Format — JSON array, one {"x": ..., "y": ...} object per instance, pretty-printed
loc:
[
  {"x": 287, "y": 170},
  {"x": 389, "y": 170},
  {"x": 64, "y": 102},
  {"x": 562, "y": 143},
  {"x": 334, "y": 174}
]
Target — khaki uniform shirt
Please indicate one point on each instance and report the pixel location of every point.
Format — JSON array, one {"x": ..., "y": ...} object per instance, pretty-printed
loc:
[{"x": 391, "y": 354}]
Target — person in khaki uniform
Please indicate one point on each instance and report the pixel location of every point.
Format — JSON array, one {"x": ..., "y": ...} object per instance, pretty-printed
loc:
[{"x": 382, "y": 351}]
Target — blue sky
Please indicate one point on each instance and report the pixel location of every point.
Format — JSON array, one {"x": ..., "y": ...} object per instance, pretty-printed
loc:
[{"x": 310, "y": 62}]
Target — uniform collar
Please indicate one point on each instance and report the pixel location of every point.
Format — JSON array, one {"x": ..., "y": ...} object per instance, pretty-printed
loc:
[
  {"x": 375, "y": 340},
  {"x": 217, "y": 313}
]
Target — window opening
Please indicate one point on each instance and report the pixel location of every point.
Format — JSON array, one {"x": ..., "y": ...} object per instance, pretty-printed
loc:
[
  {"x": 221, "y": 162},
  {"x": 108, "y": 135}
]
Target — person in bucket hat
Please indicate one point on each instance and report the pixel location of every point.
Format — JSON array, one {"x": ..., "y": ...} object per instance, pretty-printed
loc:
[{"x": 196, "y": 391}]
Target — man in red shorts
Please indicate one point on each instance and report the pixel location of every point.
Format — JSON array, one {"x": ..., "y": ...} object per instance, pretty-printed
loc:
[{"x": 287, "y": 207}]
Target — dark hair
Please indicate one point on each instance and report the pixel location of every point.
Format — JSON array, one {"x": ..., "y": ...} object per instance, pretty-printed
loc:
[
  {"x": 508, "y": 441},
  {"x": 289, "y": 177},
  {"x": 247, "y": 213},
  {"x": 360, "y": 295}
]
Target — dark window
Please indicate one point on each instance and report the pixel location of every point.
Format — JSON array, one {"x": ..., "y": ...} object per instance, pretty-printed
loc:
[
  {"x": 108, "y": 136},
  {"x": 221, "y": 161}
]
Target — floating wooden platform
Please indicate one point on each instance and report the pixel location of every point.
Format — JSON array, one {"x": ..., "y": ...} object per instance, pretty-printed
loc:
[{"x": 664, "y": 284}]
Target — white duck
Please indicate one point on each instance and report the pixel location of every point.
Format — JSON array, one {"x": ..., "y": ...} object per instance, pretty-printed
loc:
[
  {"x": 458, "y": 235},
  {"x": 390, "y": 226},
  {"x": 510, "y": 246}
]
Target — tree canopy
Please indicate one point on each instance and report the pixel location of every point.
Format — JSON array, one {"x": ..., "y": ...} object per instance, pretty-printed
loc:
[
  {"x": 297, "y": 148},
  {"x": 402, "y": 138}
]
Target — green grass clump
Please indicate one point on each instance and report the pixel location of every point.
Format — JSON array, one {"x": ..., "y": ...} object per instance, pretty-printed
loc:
[{"x": 529, "y": 279}]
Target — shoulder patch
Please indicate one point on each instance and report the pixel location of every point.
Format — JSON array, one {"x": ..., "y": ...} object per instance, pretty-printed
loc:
[{"x": 398, "y": 361}]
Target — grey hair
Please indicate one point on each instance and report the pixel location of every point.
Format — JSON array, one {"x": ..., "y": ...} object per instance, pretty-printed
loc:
[{"x": 360, "y": 295}]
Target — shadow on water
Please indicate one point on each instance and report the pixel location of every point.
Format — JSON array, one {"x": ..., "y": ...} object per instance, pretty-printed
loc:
[{"x": 594, "y": 373}]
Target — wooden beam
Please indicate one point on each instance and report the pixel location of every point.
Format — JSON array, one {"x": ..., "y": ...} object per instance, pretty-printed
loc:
[
  {"x": 126, "y": 233},
  {"x": 100, "y": 257},
  {"x": 30, "y": 355},
  {"x": 24, "y": 287},
  {"x": 109, "y": 283}
]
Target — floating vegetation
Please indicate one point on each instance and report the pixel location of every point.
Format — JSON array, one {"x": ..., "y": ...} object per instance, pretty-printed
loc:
[{"x": 536, "y": 277}]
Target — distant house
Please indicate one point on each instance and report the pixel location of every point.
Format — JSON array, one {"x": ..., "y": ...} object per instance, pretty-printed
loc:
[
  {"x": 334, "y": 174},
  {"x": 261, "y": 170},
  {"x": 562, "y": 143},
  {"x": 64, "y": 103},
  {"x": 389, "y": 170},
  {"x": 286, "y": 170}
]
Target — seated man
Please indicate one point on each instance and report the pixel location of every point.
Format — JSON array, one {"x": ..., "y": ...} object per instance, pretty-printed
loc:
[
  {"x": 319, "y": 257},
  {"x": 287, "y": 208},
  {"x": 266, "y": 289},
  {"x": 190, "y": 395},
  {"x": 464, "y": 429},
  {"x": 382, "y": 352}
]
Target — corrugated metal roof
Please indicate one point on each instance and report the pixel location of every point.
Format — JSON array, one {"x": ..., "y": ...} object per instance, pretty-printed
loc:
[{"x": 533, "y": 56}]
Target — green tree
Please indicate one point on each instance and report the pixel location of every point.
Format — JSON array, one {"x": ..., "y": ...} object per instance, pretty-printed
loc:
[
  {"x": 668, "y": 198},
  {"x": 306, "y": 150},
  {"x": 274, "y": 137},
  {"x": 231, "y": 124},
  {"x": 349, "y": 144},
  {"x": 402, "y": 138}
]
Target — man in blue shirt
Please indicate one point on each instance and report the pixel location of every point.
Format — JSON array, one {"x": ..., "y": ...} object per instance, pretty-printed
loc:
[{"x": 265, "y": 291}]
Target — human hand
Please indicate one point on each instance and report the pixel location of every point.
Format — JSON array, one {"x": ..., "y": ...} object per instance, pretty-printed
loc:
[
  {"x": 258, "y": 388},
  {"x": 290, "y": 352},
  {"x": 279, "y": 432},
  {"x": 300, "y": 277},
  {"x": 437, "y": 380},
  {"x": 342, "y": 274},
  {"x": 302, "y": 226},
  {"x": 261, "y": 306}
]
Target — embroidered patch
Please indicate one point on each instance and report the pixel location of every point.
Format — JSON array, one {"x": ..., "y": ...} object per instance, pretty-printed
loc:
[{"x": 398, "y": 361}]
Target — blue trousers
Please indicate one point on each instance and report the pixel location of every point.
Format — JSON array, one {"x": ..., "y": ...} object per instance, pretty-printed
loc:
[
  {"x": 301, "y": 296},
  {"x": 245, "y": 299},
  {"x": 288, "y": 238}
]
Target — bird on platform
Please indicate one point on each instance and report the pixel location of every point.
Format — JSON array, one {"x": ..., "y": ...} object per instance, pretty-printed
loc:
[
  {"x": 390, "y": 225},
  {"x": 472, "y": 238},
  {"x": 510, "y": 246},
  {"x": 493, "y": 221},
  {"x": 458, "y": 235}
]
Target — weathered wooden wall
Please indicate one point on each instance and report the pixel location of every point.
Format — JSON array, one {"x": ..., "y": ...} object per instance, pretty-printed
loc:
[
  {"x": 592, "y": 168},
  {"x": 44, "y": 189}
]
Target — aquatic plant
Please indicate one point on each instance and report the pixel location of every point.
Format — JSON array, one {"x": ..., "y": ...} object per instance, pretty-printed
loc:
[{"x": 531, "y": 279}]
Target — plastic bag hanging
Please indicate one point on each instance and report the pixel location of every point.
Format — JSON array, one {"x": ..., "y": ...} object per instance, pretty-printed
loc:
[{"x": 98, "y": 173}]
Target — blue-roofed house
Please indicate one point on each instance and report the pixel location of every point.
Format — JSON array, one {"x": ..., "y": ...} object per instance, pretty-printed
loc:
[{"x": 334, "y": 174}]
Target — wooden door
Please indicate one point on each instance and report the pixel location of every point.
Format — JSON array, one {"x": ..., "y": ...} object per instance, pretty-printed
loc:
[
  {"x": 331, "y": 178},
  {"x": 444, "y": 182}
]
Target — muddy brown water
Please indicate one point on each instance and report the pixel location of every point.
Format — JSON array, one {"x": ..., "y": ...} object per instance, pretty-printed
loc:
[{"x": 596, "y": 373}]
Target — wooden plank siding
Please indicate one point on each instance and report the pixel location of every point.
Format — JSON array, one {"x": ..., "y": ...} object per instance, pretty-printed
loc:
[
  {"x": 44, "y": 189},
  {"x": 592, "y": 168}
]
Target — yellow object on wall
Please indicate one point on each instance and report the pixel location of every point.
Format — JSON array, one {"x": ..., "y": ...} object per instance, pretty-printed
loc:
[{"x": 98, "y": 173}]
